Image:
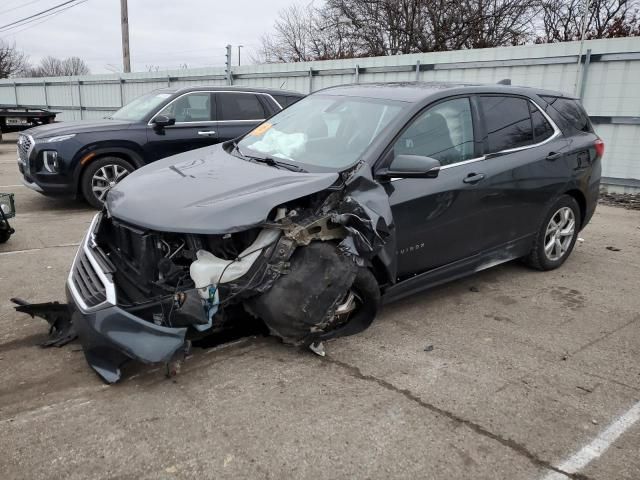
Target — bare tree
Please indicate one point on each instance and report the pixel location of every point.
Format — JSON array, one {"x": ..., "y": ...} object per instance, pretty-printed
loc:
[
  {"x": 363, "y": 28},
  {"x": 304, "y": 33},
  {"x": 561, "y": 19},
  {"x": 13, "y": 63},
  {"x": 56, "y": 67}
]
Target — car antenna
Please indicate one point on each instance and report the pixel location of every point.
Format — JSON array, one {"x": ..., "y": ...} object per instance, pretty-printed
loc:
[{"x": 505, "y": 81}]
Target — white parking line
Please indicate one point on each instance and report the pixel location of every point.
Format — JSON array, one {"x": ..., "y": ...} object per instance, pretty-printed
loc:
[
  {"x": 11, "y": 186},
  {"x": 598, "y": 445}
]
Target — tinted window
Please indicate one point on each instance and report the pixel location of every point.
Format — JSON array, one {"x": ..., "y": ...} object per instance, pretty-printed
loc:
[
  {"x": 239, "y": 106},
  {"x": 443, "y": 132},
  {"x": 507, "y": 122},
  {"x": 571, "y": 111},
  {"x": 542, "y": 129},
  {"x": 193, "y": 107},
  {"x": 285, "y": 100}
]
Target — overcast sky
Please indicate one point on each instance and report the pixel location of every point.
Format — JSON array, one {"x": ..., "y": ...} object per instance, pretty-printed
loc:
[{"x": 166, "y": 33}]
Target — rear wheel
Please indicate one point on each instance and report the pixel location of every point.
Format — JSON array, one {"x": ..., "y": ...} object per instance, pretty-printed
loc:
[
  {"x": 557, "y": 235},
  {"x": 101, "y": 176}
]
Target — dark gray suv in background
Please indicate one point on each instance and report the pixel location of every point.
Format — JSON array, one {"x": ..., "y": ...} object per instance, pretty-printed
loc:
[{"x": 87, "y": 158}]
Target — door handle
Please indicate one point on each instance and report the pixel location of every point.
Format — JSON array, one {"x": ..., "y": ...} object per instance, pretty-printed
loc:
[
  {"x": 207, "y": 133},
  {"x": 473, "y": 178},
  {"x": 553, "y": 156}
]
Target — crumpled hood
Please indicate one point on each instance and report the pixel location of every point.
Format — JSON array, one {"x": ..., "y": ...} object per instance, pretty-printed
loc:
[
  {"x": 208, "y": 191},
  {"x": 82, "y": 126}
]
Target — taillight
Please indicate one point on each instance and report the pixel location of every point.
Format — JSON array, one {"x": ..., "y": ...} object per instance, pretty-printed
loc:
[{"x": 599, "y": 144}]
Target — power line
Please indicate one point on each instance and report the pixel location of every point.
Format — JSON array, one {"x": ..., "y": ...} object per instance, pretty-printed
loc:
[
  {"x": 37, "y": 14},
  {"x": 41, "y": 19},
  {"x": 19, "y": 6}
]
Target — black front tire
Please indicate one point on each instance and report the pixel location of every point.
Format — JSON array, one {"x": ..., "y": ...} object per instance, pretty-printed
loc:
[
  {"x": 110, "y": 166},
  {"x": 543, "y": 260},
  {"x": 4, "y": 236}
]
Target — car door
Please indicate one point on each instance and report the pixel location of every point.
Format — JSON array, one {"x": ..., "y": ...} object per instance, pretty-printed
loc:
[
  {"x": 526, "y": 167},
  {"x": 238, "y": 113},
  {"x": 195, "y": 126},
  {"x": 437, "y": 219}
]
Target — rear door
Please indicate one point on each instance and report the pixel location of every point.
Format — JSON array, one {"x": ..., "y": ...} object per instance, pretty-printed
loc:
[
  {"x": 526, "y": 167},
  {"x": 437, "y": 219},
  {"x": 195, "y": 126},
  {"x": 238, "y": 113}
]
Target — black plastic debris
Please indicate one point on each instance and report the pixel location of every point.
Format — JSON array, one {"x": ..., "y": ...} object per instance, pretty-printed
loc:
[{"x": 61, "y": 329}]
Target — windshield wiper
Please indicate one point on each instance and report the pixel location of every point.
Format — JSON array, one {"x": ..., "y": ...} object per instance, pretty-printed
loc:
[
  {"x": 276, "y": 163},
  {"x": 267, "y": 160}
]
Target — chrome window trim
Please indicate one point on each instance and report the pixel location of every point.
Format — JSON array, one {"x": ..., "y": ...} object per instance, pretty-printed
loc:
[
  {"x": 150, "y": 124},
  {"x": 556, "y": 133},
  {"x": 110, "y": 289}
]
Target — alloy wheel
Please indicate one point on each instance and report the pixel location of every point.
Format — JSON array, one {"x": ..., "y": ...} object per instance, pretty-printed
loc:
[
  {"x": 559, "y": 234},
  {"x": 105, "y": 178}
]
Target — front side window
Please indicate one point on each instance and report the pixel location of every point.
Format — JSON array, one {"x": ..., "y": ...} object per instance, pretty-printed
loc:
[
  {"x": 443, "y": 132},
  {"x": 327, "y": 131},
  {"x": 192, "y": 107},
  {"x": 239, "y": 106},
  {"x": 507, "y": 122}
]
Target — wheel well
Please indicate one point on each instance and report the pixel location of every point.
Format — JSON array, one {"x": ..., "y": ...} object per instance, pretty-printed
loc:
[
  {"x": 582, "y": 203},
  {"x": 120, "y": 155}
]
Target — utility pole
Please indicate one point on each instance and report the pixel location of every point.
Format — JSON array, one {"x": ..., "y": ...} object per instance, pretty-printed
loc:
[
  {"x": 239, "y": 47},
  {"x": 227, "y": 67},
  {"x": 124, "y": 21},
  {"x": 583, "y": 28}
]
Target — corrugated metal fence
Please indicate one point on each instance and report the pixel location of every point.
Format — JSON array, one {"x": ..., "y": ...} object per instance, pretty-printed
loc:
[{"x": 607, "y": 78}]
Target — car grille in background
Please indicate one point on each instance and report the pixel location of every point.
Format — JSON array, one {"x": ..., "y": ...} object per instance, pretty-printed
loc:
[
  {"x": 24, "y": 145},
  {"x": 86, "y": 280}
]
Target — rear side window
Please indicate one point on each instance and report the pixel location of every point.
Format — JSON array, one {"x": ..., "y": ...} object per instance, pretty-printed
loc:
[
  {"x": 507, "y": 122},
  {"x": 285, "y": 100},
  {"x": 239, "y": 106},
  {"x": 542, "y": 129},
  {"x": 571, "y": 111}
]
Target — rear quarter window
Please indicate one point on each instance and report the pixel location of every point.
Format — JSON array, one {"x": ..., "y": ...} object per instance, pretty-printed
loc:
[
  {"x": 571, "y": 111},
  {"x": 507, "y": 122}
]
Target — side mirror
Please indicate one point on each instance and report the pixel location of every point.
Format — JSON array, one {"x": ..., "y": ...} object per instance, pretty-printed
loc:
[
  {"x": 163, "y": 121},
  {"x": 411, "y": 166}
]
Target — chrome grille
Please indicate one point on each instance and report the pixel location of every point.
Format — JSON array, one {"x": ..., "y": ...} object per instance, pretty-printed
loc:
[
  {"x": 87, "y": 282},
  {"x": 24, "y": 147}
]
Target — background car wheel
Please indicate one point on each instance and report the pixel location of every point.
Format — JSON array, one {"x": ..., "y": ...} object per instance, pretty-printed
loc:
[
  {"x": 100, "y": 176},
  {"x": 557, "y": 235},
  {"x": 4, "y": 236}
]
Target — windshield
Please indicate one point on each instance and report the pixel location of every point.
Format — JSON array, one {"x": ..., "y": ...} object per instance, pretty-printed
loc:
[
  {"x": 139, "y": 108},
  {"x": 322, "y": 130}
]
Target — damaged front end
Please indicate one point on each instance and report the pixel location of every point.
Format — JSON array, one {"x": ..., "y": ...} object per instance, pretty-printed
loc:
[{"x": 306, "y": 272}]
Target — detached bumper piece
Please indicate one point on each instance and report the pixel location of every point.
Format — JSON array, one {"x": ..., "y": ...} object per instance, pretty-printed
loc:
[{"x": 57, "y": 315}]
